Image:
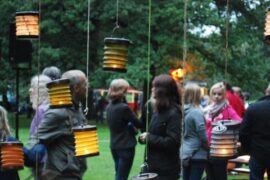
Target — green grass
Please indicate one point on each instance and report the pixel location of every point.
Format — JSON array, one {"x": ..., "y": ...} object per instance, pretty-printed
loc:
[{"x": 99, "y": 167}]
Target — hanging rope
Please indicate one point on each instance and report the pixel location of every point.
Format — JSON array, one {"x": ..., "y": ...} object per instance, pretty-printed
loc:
[
  {"x": 117, "y": 16},
  {"x": 148, "y": 74},
  {"x": 227, "y": 39},
  {"x": 184, "y": 67},
  {"x": 87, "y": 54}
]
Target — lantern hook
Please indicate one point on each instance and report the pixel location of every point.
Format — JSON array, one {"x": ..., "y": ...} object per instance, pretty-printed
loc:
[{"x": 220, "y": 128}]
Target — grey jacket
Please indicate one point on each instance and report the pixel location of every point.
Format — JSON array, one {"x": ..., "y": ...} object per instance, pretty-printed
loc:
[
  {"x": 55, "y": 131},
  {"x": 194, "y": 143}
]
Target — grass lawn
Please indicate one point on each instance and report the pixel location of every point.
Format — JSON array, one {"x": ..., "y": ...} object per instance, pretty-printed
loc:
[{"x": 99, "y": 167}]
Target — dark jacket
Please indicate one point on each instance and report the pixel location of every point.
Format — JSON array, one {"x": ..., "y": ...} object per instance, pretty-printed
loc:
[
  {"x": 255, "y": 130},
  {"x": 118, "y": 116},
  {"x": 55, "y": 132},
  {"x": 163, "y": 142}
]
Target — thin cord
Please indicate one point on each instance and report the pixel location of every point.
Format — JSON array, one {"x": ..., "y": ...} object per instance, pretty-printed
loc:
[
  {"x": 148, "y": 74},
  {"x": 117, "y": 17},
  {"x": 226, "y": 40},
  {"x": 87, "y": 55},
  {"x": 39, "y": 40},
  {"x": 184, "y": 67}
]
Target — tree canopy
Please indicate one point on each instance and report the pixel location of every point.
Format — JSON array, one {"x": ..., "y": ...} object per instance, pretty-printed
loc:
[{"x": 63, "y": 40}]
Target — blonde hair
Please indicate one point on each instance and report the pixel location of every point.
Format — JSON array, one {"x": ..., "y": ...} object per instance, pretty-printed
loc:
[
  {"x": 192, "y": 94},
  {"x": 216, "y": 86},
  {"x": 118, "y": 89},
  {"x": 4, "y": 127}
]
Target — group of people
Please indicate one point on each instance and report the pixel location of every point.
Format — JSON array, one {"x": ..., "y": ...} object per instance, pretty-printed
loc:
[
  {"x": 174, "y": 134},
  {"x": 171, "y": 143}
]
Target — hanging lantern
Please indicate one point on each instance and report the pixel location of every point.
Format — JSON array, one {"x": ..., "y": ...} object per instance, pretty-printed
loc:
[
  {"x": 224, "y": 140},
  {"x": 115, "y": 54},
  {"x": 267, "y": 27},
  {"x": 27, "y": 24},
  {"x": 11, "y": 155},
  {"x": 86, "y": 141},
  {"x": 60, "y": 94},
  {"x": 146, "y": 176}
]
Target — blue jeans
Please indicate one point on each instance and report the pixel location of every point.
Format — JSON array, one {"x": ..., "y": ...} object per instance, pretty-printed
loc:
[
  {"x": 123, "y": 159},
  {"x": 257, "y": 169},
  {"x": 194, "y": 171}
]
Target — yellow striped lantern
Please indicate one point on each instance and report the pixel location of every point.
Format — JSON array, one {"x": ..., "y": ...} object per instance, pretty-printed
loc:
[
  {"x": 27, "y": 24},
  {"x": 60, "y": 94},
  {"x": 86, "y": 141},
  {"x": 225, "y": 134},
  {"x": 115, "y": 54},
  {"x": 11, "y": 155}
]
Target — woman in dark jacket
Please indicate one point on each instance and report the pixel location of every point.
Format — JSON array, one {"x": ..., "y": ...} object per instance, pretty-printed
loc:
[
  {"x": 122, "y": 121},
  {"x": 164, "y": 135}
]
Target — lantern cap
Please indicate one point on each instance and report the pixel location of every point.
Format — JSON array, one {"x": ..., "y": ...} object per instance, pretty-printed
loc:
[
  {"x": 230, "y": 124},
  {"x": 84, "y": 127},
  {"x": 117, "y": 41},
  {"x": 27, "y": 13},
  {"x": 58, "y": 81},
  {"x": 8, "y": 143}
]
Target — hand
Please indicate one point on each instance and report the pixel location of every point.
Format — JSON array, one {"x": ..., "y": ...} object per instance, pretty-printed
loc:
[{"x": 143, "y": 136}]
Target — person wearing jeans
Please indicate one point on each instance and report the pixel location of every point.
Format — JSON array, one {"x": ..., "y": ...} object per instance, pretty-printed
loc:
[{"x": 122, "y": 136}]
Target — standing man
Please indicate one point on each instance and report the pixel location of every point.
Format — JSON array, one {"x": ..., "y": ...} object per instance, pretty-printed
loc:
[
  {"x": 255, "y": 137},
  {"x": 55, "y": 132}
]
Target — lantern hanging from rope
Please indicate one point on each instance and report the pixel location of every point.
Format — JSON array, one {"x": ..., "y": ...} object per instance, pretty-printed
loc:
[
  {"x": 27, "y": 24},
  {"x": 86, "y": 141},
  {"x": 11, "y": 155},
  {"x": 267, "y": 27},
  {"x": 60, "y": 94},
  {"x": 115, "y": 54},
  {"x": 224, "y": 140}
]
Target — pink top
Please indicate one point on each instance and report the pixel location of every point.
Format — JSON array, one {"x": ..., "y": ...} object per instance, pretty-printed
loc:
[{"x": 227, "y": 113}]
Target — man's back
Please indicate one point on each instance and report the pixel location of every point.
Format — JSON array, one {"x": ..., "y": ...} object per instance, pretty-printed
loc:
[{"x": 255, "y": 130}]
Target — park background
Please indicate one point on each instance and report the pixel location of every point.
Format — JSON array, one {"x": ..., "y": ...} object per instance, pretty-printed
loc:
[{"x": 63, "y": 43}]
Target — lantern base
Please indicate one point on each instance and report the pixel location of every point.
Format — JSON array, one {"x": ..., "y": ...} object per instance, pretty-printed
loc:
[
  {"x": 222, "y": 157},
  {"x": 60, "y": 106},
  {"x": 266, "y": 40},
  {"x": 25, "y": 37},
  {"x": 11, "y": 168},
  {"x": 146, "y": 176},
  {"x": 88, "y": 155},
  {"x": 114, "y": 69}
]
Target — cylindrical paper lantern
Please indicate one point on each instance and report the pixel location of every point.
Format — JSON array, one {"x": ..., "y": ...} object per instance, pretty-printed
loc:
[
  {"x": 11, "y": 155},
  {"x": 224, "y": 140},
  {"x": 60, "y": 94},
  {"x": 27, "y": 24},
  {"x": 86, "y": 141},
  {"x": 115, "y": 54}
]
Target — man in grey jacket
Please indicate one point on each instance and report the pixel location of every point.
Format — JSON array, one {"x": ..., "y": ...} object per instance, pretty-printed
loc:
[{"x": 55, "y": 132}]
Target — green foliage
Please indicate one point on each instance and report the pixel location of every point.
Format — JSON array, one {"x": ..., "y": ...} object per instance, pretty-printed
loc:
[{"x": 63, "y": 40}]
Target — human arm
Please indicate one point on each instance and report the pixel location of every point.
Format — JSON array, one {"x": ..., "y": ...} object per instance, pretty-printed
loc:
[
  {"x": 245, "y": 131},
  {"x": 169, "y": 133}
]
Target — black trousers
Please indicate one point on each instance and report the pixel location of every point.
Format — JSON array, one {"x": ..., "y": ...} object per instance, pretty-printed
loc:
[{"x": 216, "y": 169}]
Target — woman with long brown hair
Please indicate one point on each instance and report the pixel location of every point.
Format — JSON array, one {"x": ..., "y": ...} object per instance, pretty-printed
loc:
[{"x": 164, "y": 135}]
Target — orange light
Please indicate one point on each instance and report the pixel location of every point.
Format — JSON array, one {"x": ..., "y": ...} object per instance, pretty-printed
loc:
[
  {"x": 178, "y": 74},
  {"x": 11, "y": 154},
  {"x": 27, "y": 24}
]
